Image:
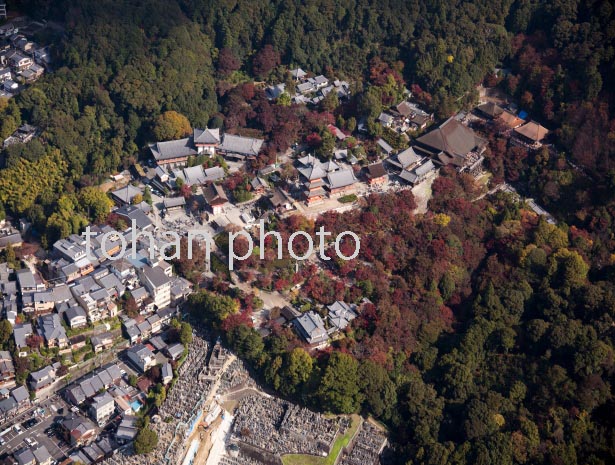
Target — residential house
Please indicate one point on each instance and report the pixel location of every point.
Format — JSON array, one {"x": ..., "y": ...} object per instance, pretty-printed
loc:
[
  {"x": 10, "y": 86},
  {"x": 24, "y": 456},
  {"x": 76, "y": 317},
  {"x": 71, "y": 251},
  {"x": 7, "y": 369},
  {"x": 40, "y": 303},
  {"x": 130, "y": 331},
  {"x": 215, "y": 198},
  {"x": 8, "y": 29},
  {"x": 28, "y": 282},
  {"x": 158, "y": 285},
  {"x": 42, "y": 55},
  {"x": 10, "y": 235},
  {"x": 166, "y": 315},
  {"x": 102, "y": 408},
  {"x": 157, "y": 343},
  {"x": 43, "y": 378},
  {"x": 311, "y": 328},
  {"x": 376, "y": 174},
  {"x": 21, "y": 332},
  {"x": 112, "y": 284},
  {"x": 127, "y": 429},
  {"x": 17, "y": 401},
  {"x": 5, "y": 73},
  {"x": 95, "y": 300},
  {"x": 76, "y": 430},
  {"x": 141, "y": 357},
  {"x": 20, "y": 62},
  {"x": 77, "y": 342},
  {"x": 140, "y": 295},
  {"x": 51, "y": 329},
  {"x": 181, "y": 288},
  {"x": 155, "y": 323},
  {"x": 145, "y": 329},
  {"x": 42, "y": 456},
  {"x": 174, "y": 351},
  {"x": 90, "y": 385},
  {"x": 166, "y": 373},
  {"x": 121, "y": 404},
  {"x": 102, "y": 342}
]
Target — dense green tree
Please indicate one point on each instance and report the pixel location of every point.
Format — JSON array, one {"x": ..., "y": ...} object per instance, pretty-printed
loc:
[
  {"x": 146, "y": 441},
  {"x": 295, "y": 371},
  {"x": 339, "y": 388},
  {"x": 6, "y": 330},
  {"x": 378, "y": 390}
]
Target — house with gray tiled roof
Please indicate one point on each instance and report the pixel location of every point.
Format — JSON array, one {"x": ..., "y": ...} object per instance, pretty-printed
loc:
[
  {"x": 24, "y": 457},
  {"x": 77, "y": 430},
  {"x": 21, "y": 333},
  {"x": 75, "y": 316},
  {"x": 158, "y": 285},
  {"x": 7, "y": 368},
  {"x": 311, "y": 328},
  {"x": 42, "y": 378},
  {"x": 125, "y": 195},
  {"x": 42, "y": 455},
  {"x": 141, "y": 357},
  {"x": 102, "y": 341},
  {"x": 341, "y": 314},
  {"x": 102, "y": 408},
  {"x": 174, "y": 351},
  {"x": 51, "y": 329}
]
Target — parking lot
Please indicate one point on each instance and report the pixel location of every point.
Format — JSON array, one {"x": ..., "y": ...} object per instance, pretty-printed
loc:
[{"x": 22, "y": 431}]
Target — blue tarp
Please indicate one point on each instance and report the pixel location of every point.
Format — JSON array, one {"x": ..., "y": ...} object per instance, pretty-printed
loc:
[{"x": 522, "y": 114}]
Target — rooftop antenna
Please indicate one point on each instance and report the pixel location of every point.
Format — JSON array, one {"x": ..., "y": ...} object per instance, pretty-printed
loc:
[{"x": 2, "y": 9}]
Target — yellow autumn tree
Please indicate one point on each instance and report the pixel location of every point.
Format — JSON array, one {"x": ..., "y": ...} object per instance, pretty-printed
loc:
[{"x": 171, "y": 125}]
